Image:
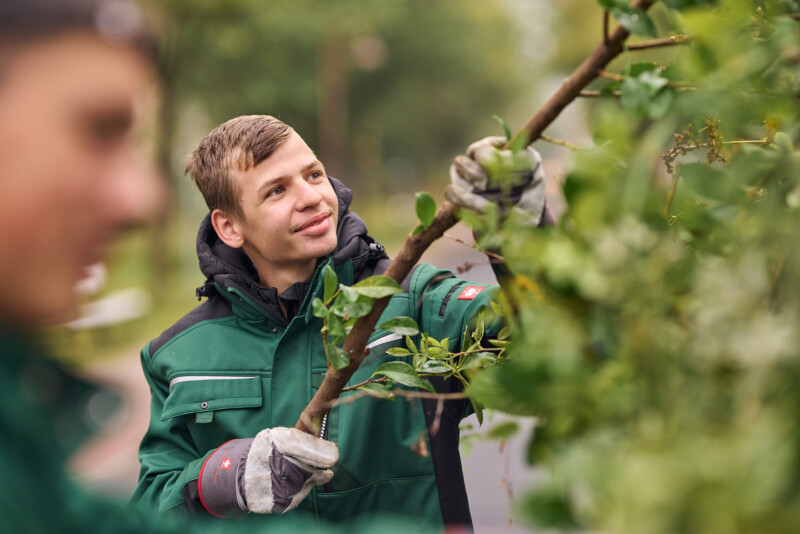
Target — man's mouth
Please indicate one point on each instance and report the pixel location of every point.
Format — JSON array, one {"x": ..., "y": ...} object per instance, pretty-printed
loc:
[{"x": 316, "y": 225}]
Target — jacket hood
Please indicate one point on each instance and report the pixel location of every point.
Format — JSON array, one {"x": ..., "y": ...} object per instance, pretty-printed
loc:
[{"x": 231, "y": 268}]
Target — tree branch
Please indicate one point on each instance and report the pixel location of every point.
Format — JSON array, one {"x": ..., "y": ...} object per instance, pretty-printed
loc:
[
  {"x": 414, "y": 246},
  {"x": 406, "y": 258},
  {"x": 575, "y": 82},
  {"x": 657, "y": 43}
]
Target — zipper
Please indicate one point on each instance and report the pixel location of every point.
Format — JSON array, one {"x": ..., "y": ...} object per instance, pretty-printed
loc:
[
  {"x": 323, "y": 434},
  {"x": 449, "y": 296},
  {"x": 323, "y": 428}
]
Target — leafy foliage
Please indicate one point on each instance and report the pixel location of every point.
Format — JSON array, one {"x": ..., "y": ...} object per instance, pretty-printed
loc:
[{"x": 656, "y": 337}]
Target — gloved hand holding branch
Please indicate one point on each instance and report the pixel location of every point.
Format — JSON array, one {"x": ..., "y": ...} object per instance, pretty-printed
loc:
[
  {"x": 269, "y": 474},
  {"x": 491, "y": 173}
]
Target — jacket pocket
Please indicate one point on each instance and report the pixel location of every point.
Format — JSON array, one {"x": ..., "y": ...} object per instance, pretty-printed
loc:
[{"x": 205, "y": 394}]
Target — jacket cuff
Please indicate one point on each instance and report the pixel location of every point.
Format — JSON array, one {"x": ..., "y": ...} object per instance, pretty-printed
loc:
[{"x": 218, "y": 483}]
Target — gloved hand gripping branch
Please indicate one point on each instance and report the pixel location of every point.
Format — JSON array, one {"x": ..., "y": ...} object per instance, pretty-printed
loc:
[
  {"x": 518, "y": 184},
  {"x": 271, "y": 473}
]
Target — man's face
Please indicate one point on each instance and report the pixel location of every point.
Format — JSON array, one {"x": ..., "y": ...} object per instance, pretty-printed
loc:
[
  {"x": 70, "y": 175},
  {"x": 290, "y": 210}
]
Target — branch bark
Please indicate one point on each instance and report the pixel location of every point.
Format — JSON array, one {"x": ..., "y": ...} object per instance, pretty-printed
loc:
[
  {"x": 414, "y": 246},
  {"x": 601, "y": 56}
]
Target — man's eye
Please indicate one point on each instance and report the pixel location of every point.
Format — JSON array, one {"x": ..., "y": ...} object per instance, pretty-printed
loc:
[
  {"x": 314, "y": 175},
  {"x": 276, "y": 191},
  {"x": 107, "y": 130}
]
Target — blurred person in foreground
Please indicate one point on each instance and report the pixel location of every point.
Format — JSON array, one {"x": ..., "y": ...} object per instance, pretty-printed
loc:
[
  {"x": 251, "y": 355},
  {"x": 75, "y": 76}
]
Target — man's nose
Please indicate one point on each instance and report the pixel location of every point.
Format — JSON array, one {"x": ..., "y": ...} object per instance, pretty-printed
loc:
[
  {"x": 307, "y": 195},
  {"x": 134, "y": 192}
]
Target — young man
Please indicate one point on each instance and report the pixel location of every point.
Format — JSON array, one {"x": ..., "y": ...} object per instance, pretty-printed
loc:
[{"x": 251, "y": 355}]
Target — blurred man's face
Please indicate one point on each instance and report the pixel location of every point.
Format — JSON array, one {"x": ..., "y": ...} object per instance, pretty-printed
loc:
[{"x": 70, "y": 173}]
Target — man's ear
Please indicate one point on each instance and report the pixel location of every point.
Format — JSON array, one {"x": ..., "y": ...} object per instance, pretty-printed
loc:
[{"x": 227, "y": 229}]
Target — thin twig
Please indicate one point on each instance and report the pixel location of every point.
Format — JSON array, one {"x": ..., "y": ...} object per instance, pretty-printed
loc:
[
  {"x": 619, "y": 78},
  {"x": 437, "y": 417},
  {"x": 610, "y": 76},
  {"x": 395, "y": 393},
  {"x": 671, "y": 194},
  {"x": 595, "y": 94},
  {"x": 559, "y": 142},
  {"x": 657, "y": 43},
  {"x": 493, "y": 255},
  {"x": 468, "y": 265}
]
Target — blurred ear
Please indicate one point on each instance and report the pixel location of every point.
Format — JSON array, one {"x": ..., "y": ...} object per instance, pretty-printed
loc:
[{"x": 227, "y": 229}]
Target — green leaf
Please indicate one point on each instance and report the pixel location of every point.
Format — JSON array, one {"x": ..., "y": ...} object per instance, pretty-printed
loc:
[
  {"x": 347, "y": 295},
  {"x": 335, "y": 326},
  {"x": 647, "y": 94},
  {"x": 418, "y": 229},
  {"x": 707, "y": 181},
  {"x": 503, "y": 387},
  {"x": 330, "y": 283},
  {"x": 338, "y": 357},
  {"x": 437, "y": 353},
  {"x": 377, "y": 287},
  {"x": 520, "y": 142},
  {"x": 402, "y": 373},
  {"x": 445, "y": 344},
  {"x": 377, "y": 390},
  {"x": 398, "y": 351},
  {"x": 506, "y": 129},
  {"x": 405, "y": 326},
  {"x": 504, "y": 333},
  {"x": 635, "y": 21},
  {"x": 410, "y": 344},
  {"x": 503, "y": 430},
  {"x": 419, "y": 360},
  {"x": 318, "y": 308},
  {"x": 784, "y": 141},
  {"x": 635, "y": 69},
  {"x": 477, "y": 334},
  {"x": 478, "y": 409},
  {"x": 435, "y": 367},
  {"x": 425, "y": 206},
  {"x": 352, "y": 310},
  {"x": 477, "y": 360}
]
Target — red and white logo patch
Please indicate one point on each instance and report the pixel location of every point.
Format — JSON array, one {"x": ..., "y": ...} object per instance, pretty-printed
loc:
[
  {"x": 226, "y": 463},
  {"x": 470, "y": 292}
]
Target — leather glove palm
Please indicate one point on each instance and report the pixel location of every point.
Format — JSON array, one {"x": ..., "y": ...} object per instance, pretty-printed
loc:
[
  {"x": 519, "y": 180},
  {"x": 271, "y": 473}
]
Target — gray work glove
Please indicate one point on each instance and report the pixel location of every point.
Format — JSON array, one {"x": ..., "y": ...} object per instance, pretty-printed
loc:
[
  {"x": 269, "y": 474},
  {"x": 522, "y": 173}
]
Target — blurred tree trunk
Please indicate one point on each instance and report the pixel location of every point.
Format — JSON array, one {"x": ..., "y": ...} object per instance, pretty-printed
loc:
[
  {"x": 160, "y": 250},
  {"x": 332, "y": 107}
]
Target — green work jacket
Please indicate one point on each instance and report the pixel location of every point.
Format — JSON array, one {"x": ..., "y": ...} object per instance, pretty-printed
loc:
[
  {"x": 233, "y": 367},
  {"x": 44, "y": 415}
]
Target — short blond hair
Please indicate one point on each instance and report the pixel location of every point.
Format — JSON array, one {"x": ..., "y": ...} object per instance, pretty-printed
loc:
[{"x": 234, "y": 146}]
